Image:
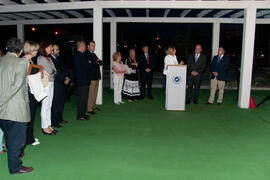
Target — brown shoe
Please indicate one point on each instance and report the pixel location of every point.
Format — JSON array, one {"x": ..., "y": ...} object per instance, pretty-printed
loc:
[
  {"x": 219, "y": 104},
  {"x": 208, "y": 103},
  {"x": 24, "y": 170}
]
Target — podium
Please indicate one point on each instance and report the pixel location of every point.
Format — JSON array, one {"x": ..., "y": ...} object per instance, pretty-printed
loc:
[{"x": 176, "y": 87}]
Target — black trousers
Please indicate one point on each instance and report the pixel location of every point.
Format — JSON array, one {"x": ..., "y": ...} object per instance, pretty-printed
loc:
[
  {"x": 146, "y": 78},
  {"x": 58, "y": 103},
  {"x": 196, "y": 81},
  {"x": 30, "y": 126},
  {"x": 15, "y": 135},
  {"x": 82, "y": 99}
]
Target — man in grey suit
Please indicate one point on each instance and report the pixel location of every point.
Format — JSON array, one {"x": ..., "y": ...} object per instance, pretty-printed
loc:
[
  {"x": 14, "y": 104},
  {"x": 196, "y": 64}
]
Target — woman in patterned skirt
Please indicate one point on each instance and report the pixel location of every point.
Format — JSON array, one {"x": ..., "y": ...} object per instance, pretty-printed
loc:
[{"x": 131, "y": 88}]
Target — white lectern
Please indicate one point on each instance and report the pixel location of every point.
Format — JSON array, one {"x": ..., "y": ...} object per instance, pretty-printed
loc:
[{"x": 176, "y": 87}]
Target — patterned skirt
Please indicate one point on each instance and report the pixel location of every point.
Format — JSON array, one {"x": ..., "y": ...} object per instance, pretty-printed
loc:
[{"x": 131, "y": 89}]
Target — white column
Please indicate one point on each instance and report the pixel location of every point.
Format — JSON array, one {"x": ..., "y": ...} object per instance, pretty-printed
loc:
[
  {"x": 215, "y": 38},
  {"x": 247, "y": 56},
  {"x": 20, "y": 32},
  {"x": 113, "y": 48},
  {"x": 97, "y": 34}
]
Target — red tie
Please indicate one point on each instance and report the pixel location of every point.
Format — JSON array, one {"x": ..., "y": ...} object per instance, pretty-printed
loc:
[{"x": 147, "y": 59}]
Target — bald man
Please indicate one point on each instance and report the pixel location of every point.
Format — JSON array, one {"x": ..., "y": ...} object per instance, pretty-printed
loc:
[{"x": 82, "y": 80}]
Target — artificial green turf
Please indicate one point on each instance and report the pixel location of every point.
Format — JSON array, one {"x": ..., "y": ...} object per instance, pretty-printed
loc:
[{"x": 142, "y": 141}]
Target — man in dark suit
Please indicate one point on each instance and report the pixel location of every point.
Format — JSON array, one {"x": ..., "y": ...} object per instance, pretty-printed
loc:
[
  {"x": 82, "y": 80},
  {"x": 95, "y": 76},
  {"x": 219, "y": 67},
  {"x": 196, "y": 64},
  {"x": 146, "y": 64},
  {"x": 60, "y": 82}
]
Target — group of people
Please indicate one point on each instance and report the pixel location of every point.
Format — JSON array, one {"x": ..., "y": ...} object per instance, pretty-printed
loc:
[
  {"x": 18, "y": 102},
  {"x": 19, "y": 96},
  {"x": 126, "y": 76},
  {"x": 196, "y": 64}
]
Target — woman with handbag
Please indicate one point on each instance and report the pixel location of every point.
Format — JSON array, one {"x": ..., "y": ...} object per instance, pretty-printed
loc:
[{"x": 49, "y": 71}]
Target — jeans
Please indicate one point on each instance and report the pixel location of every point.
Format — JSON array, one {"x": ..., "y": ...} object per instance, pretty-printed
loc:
[{"x": 15, "y": 135}]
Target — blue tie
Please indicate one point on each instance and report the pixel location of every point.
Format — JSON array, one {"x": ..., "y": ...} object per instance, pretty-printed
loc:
[
  {"x": 196, "y": 58},
  {"x": 218, "y": 59}
]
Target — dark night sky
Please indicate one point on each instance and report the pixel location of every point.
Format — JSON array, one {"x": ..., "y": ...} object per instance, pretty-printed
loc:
[{"x": 184, "y": 36}]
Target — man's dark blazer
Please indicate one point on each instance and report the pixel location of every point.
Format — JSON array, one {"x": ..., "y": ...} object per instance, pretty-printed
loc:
[
  {"x": 143, "y": 65},
  {"x": 221, "y": 67},
  {"x": 198, "y": 66},
  {"x": 94, "y": 65},
  {"x": 81, "y": 69},
  {"x": 61, "y": 70}
]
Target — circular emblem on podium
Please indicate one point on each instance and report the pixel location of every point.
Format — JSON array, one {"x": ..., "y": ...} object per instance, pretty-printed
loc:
[{"x": 177, "y": 80}]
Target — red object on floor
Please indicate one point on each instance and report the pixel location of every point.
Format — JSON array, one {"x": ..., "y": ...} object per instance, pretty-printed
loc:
[{"x": 252, "y": 104}]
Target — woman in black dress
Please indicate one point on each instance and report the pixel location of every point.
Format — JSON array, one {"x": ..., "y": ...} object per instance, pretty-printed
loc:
[{"x": 131, "y": 88}]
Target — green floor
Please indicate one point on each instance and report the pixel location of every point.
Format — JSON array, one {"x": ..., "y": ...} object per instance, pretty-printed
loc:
[{"x": 142, "y": 141}]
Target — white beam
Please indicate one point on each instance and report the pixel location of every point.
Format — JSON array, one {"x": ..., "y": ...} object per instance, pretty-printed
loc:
[
  {"x": 20, "y": 32},
  {"x": 58, "y": 14},
  {"x": 136, "y": 4},
  {"x": 110, "y": 12},
  {"x": 12, "y": 16},
  {"x": 238, "y": 14},
  {"x": 215, "y": 38},
  {"x": 147, "y": 13},
  {"x": 267, "y": 16},
  {"x": 29, "y": 2},
  {"x": 113, "y": 36},
  {"x": 166, "y": 13},
  {"x": 185, "y": 12},
  {"x": 89, "y": 11},
  {"x": 75, "y": 13},
  {"x": 262, "y": 13},
  {"x": 26, "y": 15},
  {"x": 203, "y": 13},
  {"x": 98, "y": 34},
  {"x": 222, "y": 13},
  {"x": 128, "y": 11},
  {"x": 7, "y": 21},
  {"x": 2, "y": 18},
  {"x": 8, "y": 2},
  {"x": 247, "y": 56},
  {"x": 51, "y": 1},
  {"x": 43, "y": 15}
]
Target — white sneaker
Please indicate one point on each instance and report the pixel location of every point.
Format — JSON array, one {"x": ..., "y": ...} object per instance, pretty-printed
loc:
[
  {"x": 36, "y": 140},
  {"x": 122, "y": 102},
  {"x": 35, "y": 143},
  {"x": 117, "y": 103}
]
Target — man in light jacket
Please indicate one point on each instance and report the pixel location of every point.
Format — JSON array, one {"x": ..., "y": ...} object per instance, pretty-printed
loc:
[{"x": 14, "y": 104}]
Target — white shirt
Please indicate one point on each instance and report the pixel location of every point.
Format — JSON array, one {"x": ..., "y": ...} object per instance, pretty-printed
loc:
[{"x": 169, "y": 60}]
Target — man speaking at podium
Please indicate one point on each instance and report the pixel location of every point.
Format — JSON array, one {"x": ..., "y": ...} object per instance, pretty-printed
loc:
[{"x": 196, "y": 64}]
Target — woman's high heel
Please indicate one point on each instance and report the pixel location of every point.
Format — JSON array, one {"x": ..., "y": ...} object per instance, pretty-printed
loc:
[{"x": 47, "y": 133}]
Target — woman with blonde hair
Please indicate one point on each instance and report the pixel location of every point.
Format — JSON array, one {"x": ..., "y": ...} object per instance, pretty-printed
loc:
[
  {"x": 30, "y": 50},
  {"x": 170, "y": 59},
  {"x": 49, "y": 71},
  {"x": 118, "y": 75}
]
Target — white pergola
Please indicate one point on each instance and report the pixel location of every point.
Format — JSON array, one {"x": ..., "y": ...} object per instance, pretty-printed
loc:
[{"x": 246, "y": 12}]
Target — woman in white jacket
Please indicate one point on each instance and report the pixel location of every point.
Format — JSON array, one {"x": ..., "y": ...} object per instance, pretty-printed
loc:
[{"x": 170, "y": 59}]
